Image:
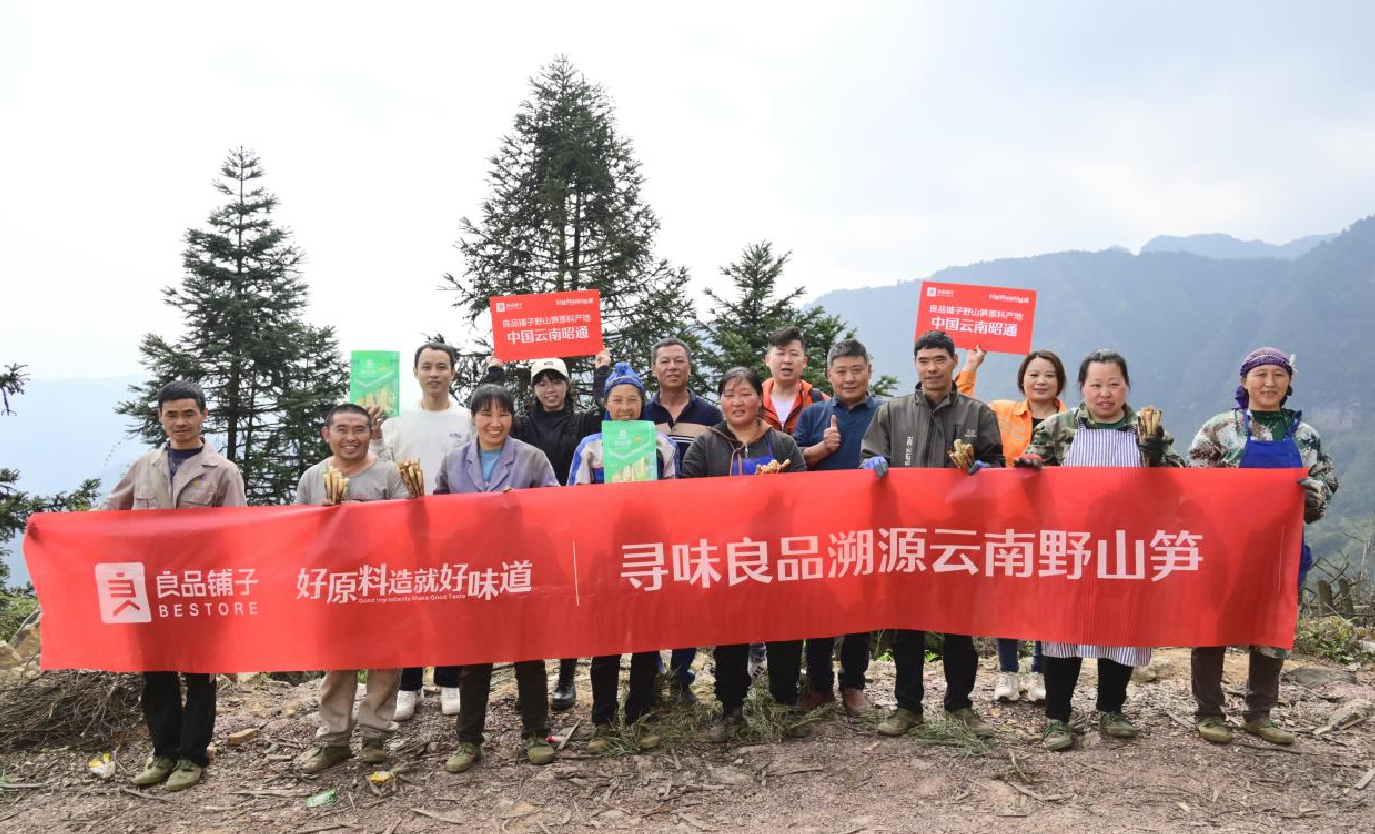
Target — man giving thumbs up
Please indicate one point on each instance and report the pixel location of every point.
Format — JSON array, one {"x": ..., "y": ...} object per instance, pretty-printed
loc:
[{"x": 829, "y": 434}]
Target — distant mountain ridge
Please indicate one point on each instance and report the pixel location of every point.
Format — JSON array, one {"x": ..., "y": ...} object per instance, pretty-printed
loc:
[
  {"x": 1226, "y": 247},
  {"x": 1184, "y": 321}
]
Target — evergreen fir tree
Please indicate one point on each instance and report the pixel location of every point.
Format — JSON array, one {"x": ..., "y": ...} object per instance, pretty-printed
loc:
[
  {"x": 565, "y": 212},
  {"x": 269, "y": 377},
  {"x": 737, "y": 326}
]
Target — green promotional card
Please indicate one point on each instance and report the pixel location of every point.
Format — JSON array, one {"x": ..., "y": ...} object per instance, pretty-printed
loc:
[
  {"x": 628, "y": 450},
  {"x": 375, "y": 379}
]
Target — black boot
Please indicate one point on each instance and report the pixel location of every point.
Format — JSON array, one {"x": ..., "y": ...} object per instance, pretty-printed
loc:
[{"x": 564, "y": 694}]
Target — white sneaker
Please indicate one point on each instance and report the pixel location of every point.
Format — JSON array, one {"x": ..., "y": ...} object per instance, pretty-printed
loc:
[
  {"x": 1006, "y": 689},
  {"x": 448, "y": 700},
  {"x": 1036, "y": 687},
  {"x": 406, "y": 703}
]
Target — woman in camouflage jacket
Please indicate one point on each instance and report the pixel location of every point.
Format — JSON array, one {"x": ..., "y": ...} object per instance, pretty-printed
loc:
[
  {"x": 1259, "y": 434},
  {"x": 1102, "y": 431}
]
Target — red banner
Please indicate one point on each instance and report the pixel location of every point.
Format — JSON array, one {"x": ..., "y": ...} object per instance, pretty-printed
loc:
[
  {"x": 1119, "y": 557},
  {"x": 998, "y": 319},
  {"x": 554, "y": 324}
]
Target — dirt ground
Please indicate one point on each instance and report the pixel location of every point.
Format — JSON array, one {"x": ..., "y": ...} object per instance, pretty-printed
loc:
[{"x": 845, "y": 779}]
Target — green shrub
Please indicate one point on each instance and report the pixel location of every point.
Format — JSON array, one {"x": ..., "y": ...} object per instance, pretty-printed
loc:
[
  {"x": 15, "y": 607},
  {"x": 1334, "y": 638}
]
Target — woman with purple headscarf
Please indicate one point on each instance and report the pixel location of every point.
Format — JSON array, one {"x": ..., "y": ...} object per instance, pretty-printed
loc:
[{"x": 1260, "y": 433}]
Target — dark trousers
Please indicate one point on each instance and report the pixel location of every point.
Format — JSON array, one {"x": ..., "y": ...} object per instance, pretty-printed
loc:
[
  {"x": 567, "y": 668},
  {"x": 733, "y": 677},
  {"x": 606, "y": 678},
  {"x": 445, "y": 676},
  {"x": 961, "y": 662},
  {"x": 680, "y": 666},
  {"x": 1062, "y": 676},
  {"x": 1262, "y": 682},
  {"x": 179, "y": 732},
  {"x": 785, "y": 664},
  {"x": 854, "y": 662},
  {"x": 1008, "y": 651},
  {"x": 476, "y": 687}
]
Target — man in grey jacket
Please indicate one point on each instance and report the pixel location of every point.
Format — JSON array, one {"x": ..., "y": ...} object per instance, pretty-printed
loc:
[
  {"x": 920, "y": 429},
  {"x": 186, "y": 473}
]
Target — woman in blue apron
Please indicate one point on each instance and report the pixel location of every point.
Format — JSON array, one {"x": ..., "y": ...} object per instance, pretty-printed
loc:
[
  {"x": 741, "y": 445},
  {"x": 1259, "y": 434}
]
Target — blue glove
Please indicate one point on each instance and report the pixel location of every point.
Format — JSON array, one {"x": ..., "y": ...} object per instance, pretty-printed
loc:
[
  {"x": 978, "y": 464},
  {"x": 878, "y": 464}
]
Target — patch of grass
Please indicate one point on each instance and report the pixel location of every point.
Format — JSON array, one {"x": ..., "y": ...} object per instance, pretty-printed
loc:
[
  {"x": 950, "y": 734},
  {"x": 938, "y": 733},
  {"x": 674, "y": 722},
  {"x": 678, "y": 724},
  {"x": 1334, "y": 638},
  {"x": 767, "y": 720}
]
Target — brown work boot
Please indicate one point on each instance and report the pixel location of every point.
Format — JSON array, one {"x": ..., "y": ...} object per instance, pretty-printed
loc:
[
  {"x": 725, "y": 727},
  {"x": 374, "y": 751},
  {"x": 1214, "y": 728},
  {"x": 970, "y": 719},
  {"x": 813, "y": 700},
  {"x": 326, "y": 757},
  {"x": 855, "y": 701},
  {"x": 1268, "y": 730},
  {"x": 157, "y": 770},
  {"x": 187, "y": 774},
  {"x": 899, "y": 722},
  {"x": 1117, "y": 725}
]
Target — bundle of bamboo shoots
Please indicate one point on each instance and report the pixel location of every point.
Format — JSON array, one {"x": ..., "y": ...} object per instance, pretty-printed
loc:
[
  {"x": 963, "y": 455},
  {"x": 1148, "y": 422},
  {"x": 412, "y": 476},
  {"x": 771, "y": 468},
  {"x": 336, "y": 486}
]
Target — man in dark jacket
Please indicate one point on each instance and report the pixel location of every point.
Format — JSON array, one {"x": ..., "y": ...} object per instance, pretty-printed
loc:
[{"x": 920, "y": 429}]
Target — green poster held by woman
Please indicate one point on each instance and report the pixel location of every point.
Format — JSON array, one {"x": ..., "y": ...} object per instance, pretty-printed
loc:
[{"x": 628, "y": 450}]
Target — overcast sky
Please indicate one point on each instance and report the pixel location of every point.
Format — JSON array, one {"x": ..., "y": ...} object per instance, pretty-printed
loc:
[{"x": 879, "y": 142}]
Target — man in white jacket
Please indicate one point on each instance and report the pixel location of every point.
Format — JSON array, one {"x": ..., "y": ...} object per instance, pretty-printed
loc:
[{"x": 428, "y": 432}]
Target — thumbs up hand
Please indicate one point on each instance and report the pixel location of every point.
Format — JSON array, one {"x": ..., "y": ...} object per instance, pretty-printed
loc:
[{"x": 830, "y": 439}]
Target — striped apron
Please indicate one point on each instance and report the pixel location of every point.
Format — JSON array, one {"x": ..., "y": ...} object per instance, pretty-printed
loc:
[{"x": 1102, "y": 447}]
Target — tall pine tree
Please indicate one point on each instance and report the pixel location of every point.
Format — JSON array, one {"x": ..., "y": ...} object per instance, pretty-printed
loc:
[
  {"x": 269, "y": 376},
  {"x": 737, "y": 326},
  {"x": 565, "y": 213}
]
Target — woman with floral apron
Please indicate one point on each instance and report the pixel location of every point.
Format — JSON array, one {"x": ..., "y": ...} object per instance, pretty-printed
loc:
[
  {"x": 1259, "y": 434},
  {"x": 1102, "y": 431},
  {"x": 743, "y": 444}
]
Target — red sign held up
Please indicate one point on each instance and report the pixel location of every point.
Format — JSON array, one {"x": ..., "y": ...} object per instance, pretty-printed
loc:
[
  {"x": 551, "y": 324},
  {"x": 998, "y": 319}
]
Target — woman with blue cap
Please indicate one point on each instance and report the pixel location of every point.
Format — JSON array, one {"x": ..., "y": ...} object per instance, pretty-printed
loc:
[
  {"x": 1260, "y": 433},
  {"x": 625, "y": 400}
]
